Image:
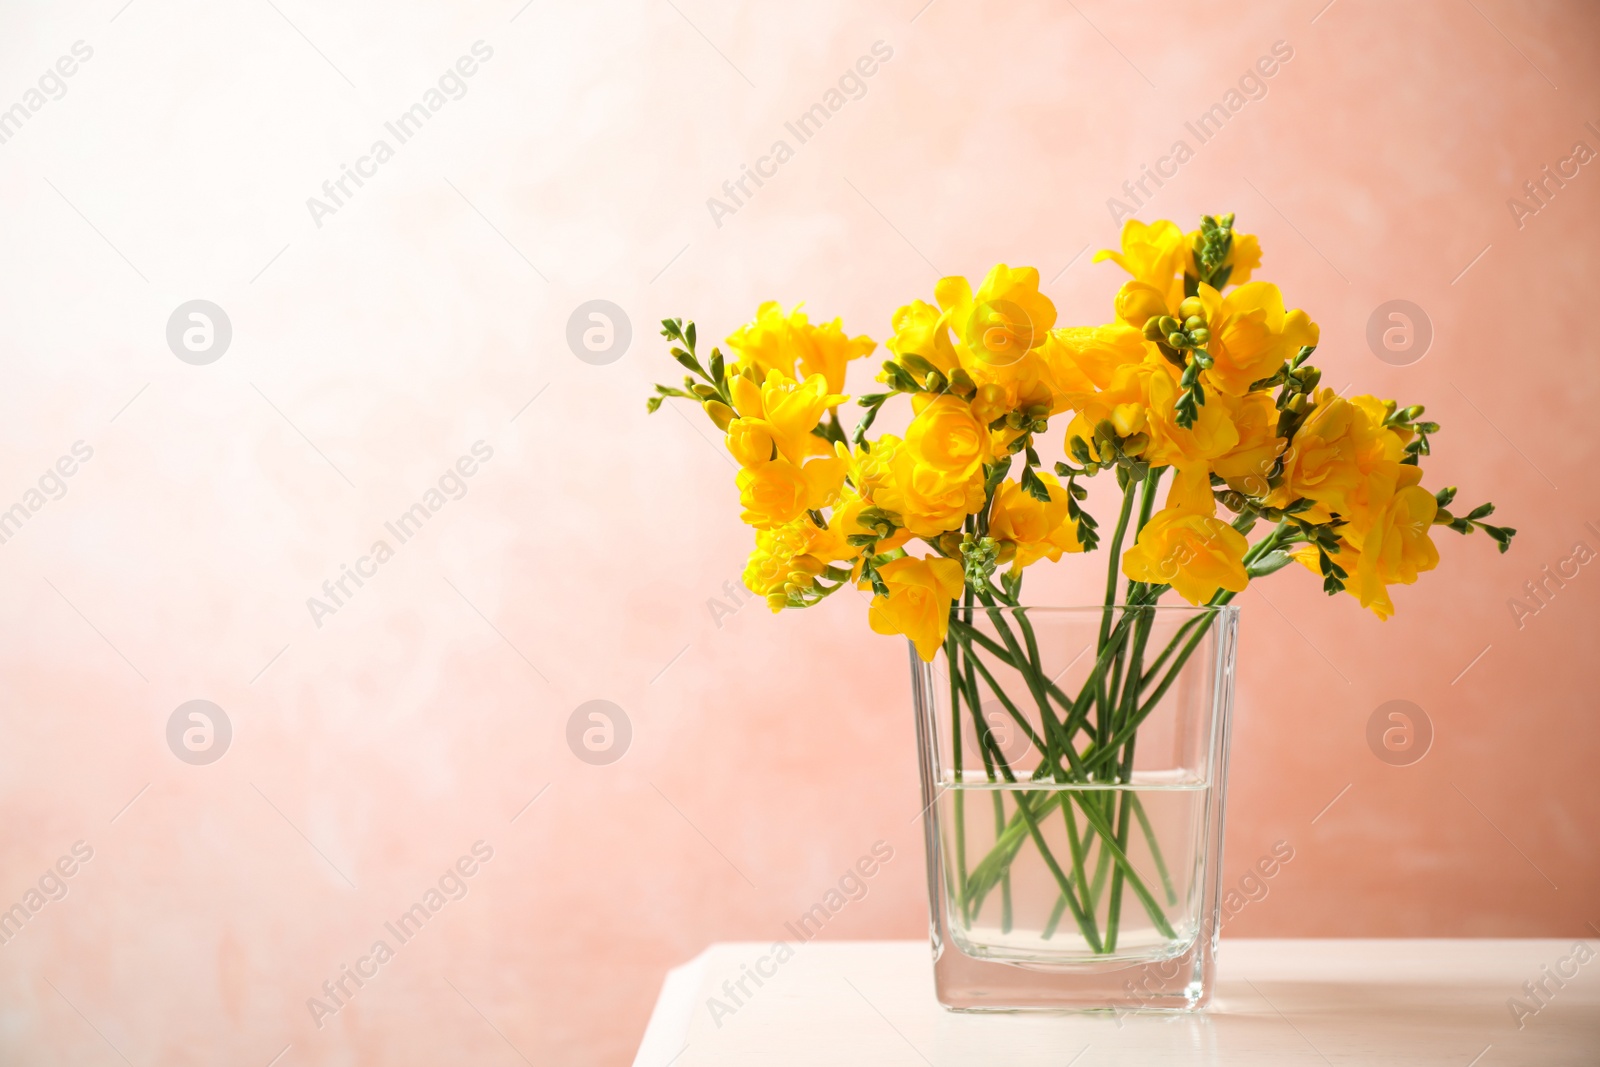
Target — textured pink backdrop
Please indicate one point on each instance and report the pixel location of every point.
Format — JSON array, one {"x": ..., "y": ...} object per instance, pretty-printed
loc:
[{"x": 768, "y": 753}]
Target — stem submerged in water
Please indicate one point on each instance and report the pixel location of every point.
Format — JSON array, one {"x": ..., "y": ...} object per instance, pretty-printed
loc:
[{"x": 1080, "y": 746}]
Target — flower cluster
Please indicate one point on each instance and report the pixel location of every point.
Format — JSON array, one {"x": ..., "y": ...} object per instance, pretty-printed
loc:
[{"x": 1204, "y": 374}]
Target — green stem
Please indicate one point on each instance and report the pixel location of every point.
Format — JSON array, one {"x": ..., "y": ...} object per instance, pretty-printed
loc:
[
  {"x": 1113, "y": 568},
  {"x": 986, "y": 739},
  {"x": 1120, "y": 857},
  {"x": 1005, "y": 879},
  {"x": 1155, "y": 849},
  {"x": 1055, "y": 918},
  {"x": 953, "y": 662}
]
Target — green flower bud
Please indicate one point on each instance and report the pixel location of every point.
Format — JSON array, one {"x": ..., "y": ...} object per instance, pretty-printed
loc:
[
  {"x": 1193, "y": 323},
  {"x": 1191, "y": 307}
]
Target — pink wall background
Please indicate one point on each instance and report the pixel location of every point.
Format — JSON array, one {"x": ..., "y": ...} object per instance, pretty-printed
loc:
[{"x": 767, "y": 753}]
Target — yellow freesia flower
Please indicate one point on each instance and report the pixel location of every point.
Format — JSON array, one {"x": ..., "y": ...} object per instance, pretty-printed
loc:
[
  {"x": 1252, "y": 334},
  {"x": 946, "y": 436},
  {"x": 918, "y": 605},
  {"x": 833, "y": 544},
  {"x": 1155, "y": 255},
  {"x": 926, "y": 501},
  {"x": 1186, "y": 546},
  {"x": 1081, "y": 359},
  {"x": 1002, "y": 321},
  {"x": 1136, "y": 303},
  {"x": 792, "y": 346},
  {"x": 799, "y": 551},
  {"x": 772, "y": 494},
  {"x": 1396, "y": 548},
  {"x": 788, "y": 411},
  {"x": 1247, "y": 464},
  {"x": 781, "y": 554},
  {"x": 1029, "y": 530},
  {"x": 921, "y": 330},
  {"x": 750, "y": 442},
  {"x": 1142, "y": 398},
  {"x": 1344, "y": 459}
]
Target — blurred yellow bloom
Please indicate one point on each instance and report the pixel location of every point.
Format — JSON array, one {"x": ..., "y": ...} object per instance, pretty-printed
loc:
[
  {"x": 792, "y": 346},
  {"x": 1252, "y": 334},
  {"x": 918, "y": 605},
  {"x": 1186, "y": 546},
  {"x": 1029, "y": 530}
]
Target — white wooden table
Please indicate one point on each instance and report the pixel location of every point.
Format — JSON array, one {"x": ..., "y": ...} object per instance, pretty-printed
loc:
[{"x": 1278, "y": 1003}]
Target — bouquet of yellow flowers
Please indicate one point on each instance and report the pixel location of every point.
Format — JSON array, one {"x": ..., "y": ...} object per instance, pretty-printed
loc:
[{"x": 1204, "y": 375}]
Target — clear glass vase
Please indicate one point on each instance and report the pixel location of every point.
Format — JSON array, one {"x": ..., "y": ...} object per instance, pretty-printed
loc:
[{"x": 1074, "y": 768}]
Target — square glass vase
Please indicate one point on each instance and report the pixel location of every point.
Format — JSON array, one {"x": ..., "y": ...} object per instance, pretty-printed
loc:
[{"x": 1074, "y": 773}]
